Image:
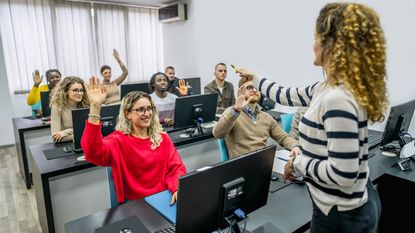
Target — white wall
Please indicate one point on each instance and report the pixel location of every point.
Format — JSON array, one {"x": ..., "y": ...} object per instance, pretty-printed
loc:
[
  {"x": 275, "y": 38},
  {"x": 6, "y": 125}
]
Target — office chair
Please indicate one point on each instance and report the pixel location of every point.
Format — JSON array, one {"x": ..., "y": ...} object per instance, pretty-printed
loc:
[
  {"x": 286, "y": 120},
  {"x": 111, "y": 186},
  {"x": 223, "y": 149}
]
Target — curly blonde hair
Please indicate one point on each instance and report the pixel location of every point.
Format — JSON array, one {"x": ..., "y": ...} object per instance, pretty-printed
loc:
[
  {"x": 126, "y": 126},
  {"x": 352, "y": 38},
  {"x": 60, "y": 97}
]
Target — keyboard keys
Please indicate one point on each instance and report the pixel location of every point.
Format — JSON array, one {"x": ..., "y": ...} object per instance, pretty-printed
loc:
[{"x": 169, "y": 229}]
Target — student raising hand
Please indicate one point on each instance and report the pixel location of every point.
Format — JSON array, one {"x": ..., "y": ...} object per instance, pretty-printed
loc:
[{"x": 96, "y": 92}]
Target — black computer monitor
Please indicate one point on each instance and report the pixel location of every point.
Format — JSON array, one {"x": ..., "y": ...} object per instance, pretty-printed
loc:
[
  {"x": 195, "y": 108},
  {"x": 194, "y": 84},
  {"x": 44, "y": 102},
  {"x": 242, "y": 182},
  {"x": 108, "y": 114},
  {"x": 398, "y": 122},
  {"x": 129, "y": 87}
]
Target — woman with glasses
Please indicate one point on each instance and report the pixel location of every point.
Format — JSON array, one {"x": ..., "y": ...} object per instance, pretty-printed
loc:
[
  {"x": 67, "y": 95},
  {"x": 143, "y": 158},
  {"x": 351, "y": 49}
]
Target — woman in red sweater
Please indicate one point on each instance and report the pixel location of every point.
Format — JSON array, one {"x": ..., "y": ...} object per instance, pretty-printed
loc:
[{"x": 143, "y": 158}]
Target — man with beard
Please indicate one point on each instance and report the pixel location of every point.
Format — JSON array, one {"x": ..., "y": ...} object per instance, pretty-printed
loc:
[
  {"x": 164, "y": 101},
  {"x": 53, "y": 76},
  {"x": 226, "y": 96},
  {"x": 246, "y": 128}
]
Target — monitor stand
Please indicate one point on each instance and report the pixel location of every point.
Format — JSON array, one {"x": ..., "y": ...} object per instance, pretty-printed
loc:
[{"x": 80, "y": 154}]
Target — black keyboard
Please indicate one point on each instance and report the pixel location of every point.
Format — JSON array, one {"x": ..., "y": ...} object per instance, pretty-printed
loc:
[{"x": 169, "y": 229}]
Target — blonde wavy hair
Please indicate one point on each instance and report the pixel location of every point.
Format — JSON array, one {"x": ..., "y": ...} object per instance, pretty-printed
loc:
[
  {"x": 126, "y": 126},
  {"x": 60, "y": 97},
  {"x": 353, "y": 41}
]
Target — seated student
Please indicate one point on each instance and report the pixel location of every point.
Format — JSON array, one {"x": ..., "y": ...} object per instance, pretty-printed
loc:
[
  {"x": 69, "y": 94},
  {"x": 296, "y": 121},
  {"x": 226, "y": 96},
  {"x": 143, "y": 158},
  {"x": 177, "y": 86},
  {"x": 113, "y": 92},
  {"x": 246, "y": 128},
  {"x": 53, "y": 76},
  {"x": 164, "y": 101}
]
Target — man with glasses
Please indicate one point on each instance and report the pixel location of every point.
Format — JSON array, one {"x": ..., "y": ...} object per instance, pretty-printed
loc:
[
  {"x": 53, "y": 76},
  {"x": 246, "y": 128},
  {"x": 226, "y": 96},
  {"x": 164, "y": 101}
]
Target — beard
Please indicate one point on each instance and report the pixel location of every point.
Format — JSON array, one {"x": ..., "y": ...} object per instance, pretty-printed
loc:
[{"x": 254, "y": 100}]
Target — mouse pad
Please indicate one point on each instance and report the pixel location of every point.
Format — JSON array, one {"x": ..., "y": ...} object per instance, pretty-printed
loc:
[
  {"x": 55, "y": 153},
  {"x": 131, "y": 225}
]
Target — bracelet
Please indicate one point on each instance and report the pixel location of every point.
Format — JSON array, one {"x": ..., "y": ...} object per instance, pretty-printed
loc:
[{"x": 94, "y": 116}]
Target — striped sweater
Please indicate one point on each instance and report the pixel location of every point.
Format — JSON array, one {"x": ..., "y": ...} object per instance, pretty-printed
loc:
[{"x": 333, "y": 137}]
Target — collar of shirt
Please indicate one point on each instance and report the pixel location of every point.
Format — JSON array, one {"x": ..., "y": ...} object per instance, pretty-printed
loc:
[{"x": 252, "y": 113}]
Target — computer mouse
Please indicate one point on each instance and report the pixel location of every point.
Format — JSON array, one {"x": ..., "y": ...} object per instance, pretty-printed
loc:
[
  {"x": 274, "y": 176},
  {"x": 126, "y": 230},
  {"x": 67, "y": 149}
]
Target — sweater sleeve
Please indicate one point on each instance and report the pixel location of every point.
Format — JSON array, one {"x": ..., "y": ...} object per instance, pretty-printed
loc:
[
  {"x": 96, "y": 149},
  {"x": 176, "y": 167},
  {"x": 34, "y": 94},
  {"x": 225, "y": 124},
  {"x": 340, "y": 122},
  {"x": 300, "y": 97},
  {"x": 56, "y": 125},
  {"x": 280, "y": 136}
]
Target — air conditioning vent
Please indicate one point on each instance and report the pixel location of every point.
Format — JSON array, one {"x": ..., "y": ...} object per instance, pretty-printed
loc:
[{"x": 176, "y": 12}]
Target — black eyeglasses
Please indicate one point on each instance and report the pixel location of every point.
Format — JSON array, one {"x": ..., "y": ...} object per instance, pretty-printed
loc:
[
  {"x": 250, "y": 88},
  {"x": 143, "y": 110},
  {"x": 77, "y": 91}
]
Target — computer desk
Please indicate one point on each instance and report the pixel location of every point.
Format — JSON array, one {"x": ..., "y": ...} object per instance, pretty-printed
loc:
[
  {"x": 28, "y": 131},
  {"x": 67, "y": 189},
  {"x": 289, "y": 209}
]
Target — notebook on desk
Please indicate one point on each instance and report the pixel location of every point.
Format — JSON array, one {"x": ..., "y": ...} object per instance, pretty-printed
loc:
[{"x": 161, "y": 202}]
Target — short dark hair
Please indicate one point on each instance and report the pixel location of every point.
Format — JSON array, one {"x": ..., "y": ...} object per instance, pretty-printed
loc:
[
  {"x": 169, "y": 67},
  {"x": 220, "y": 64},
  {"x": 49, "y": 72},
  {"x": 153, "y": 80},
  {"x": 104, "y": 67}
]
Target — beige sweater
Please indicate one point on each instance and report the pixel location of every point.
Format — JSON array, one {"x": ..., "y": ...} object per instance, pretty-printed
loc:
[
  {"x": 242, "y": 135},
  {"x": 62, "y": 121},
  {"x": 113, "y": 93}
]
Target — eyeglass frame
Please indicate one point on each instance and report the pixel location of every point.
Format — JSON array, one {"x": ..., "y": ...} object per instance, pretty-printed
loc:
[
  {"x": 143, "y": 109},
  {"x": 78, "y": 91}
]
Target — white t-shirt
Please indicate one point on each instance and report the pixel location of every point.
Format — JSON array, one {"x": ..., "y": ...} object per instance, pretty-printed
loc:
[{"x": 165, "y": 106}]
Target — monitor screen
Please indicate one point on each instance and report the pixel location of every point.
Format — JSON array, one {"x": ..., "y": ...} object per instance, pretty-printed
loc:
[
  {"x": 129, "y": 87},
  {"x": 398, "y": 121},
  {"x": 188, "y": 109},
  {"x": 109, "y": 115},
  {"x": 208, "y": 187},
  {"x": 44, "y": 101},
  {"x": 194, "y": 84}
]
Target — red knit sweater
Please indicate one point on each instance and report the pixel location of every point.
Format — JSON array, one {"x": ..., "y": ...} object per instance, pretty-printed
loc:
[{"x": 137, "y": 170}]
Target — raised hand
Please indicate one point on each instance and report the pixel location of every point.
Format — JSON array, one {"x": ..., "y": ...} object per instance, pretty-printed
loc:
[
  {"x": 183, "y": 87},
  {"x": 116, "y": 55},
  {"x": 97, "y": 93},
  {"x": 37, "y": 78},
  {"x": 241, "y": 100}
]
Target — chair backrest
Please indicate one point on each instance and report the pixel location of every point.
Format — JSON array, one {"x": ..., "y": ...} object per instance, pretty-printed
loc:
[
  {"x": 111, "y": 186},
  {"x": 286, "y": 120},
  {"x": 223, "y": 149}
]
